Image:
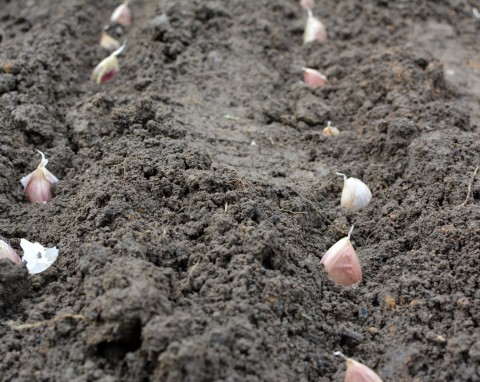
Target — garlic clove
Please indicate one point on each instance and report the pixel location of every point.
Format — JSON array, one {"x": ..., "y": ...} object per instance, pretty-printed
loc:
[
  {"x": 358, "y": 372},
  {"x": 7, "y": 252},
  {"x": 314, "y": 30},
  {"x": 355, "y": 194},
  {"x": 108, "y": 67},
  {"x": 330, "y": 130},
  {"x": 314, "y": 78},
  {"x": 307, "y": 4},
  {"x": 105, "y": 70},
  {"x": 38, "y": 185},
  {"x": 37, "y": 257},
  {"x": 122, "y": 15},
  {"x": 39, "y": 189},
  {"x": 341, "y": 262},
  {"x": 108, "y": 42}
]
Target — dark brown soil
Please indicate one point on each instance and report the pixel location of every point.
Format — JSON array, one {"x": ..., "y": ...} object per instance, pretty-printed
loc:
[{"x": 189, "y": 254}]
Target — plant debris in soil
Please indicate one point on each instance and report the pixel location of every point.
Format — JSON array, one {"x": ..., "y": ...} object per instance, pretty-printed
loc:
[{"x": 188, "y": 253}]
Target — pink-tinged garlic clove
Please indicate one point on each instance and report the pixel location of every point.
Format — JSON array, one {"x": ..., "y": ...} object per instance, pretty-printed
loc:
[
  {"x": 314, "y": 30},
  {"x": 341, "y": 262},
  {"x": 38, "y": 185},
  {"x": 314, "y": 78},
  {"x": 108, "y": 68},
  {"x": 122, "y": 15},
  {"x": 7, "y": 252},
  {"x": 108, "y": 42},
  {"x": 355, "y": 194},
  {"x": 330, "y": 130},
  {"x": 358, "y": 372},
  {"x": 307, "y": 4}
]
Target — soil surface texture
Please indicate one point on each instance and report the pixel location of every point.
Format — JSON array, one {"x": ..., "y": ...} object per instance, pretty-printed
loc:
[{"x": 197, "y": 192}]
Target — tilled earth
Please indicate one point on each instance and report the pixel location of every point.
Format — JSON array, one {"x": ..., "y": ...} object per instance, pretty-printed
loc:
[{"x": 198, "y": 194}]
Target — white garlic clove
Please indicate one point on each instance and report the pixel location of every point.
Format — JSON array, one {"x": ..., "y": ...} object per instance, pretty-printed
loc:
[
  {"x": 7, "y": 252},
  {"x": 341, "y": 262},
  {"x": 314, "y": 78},
  {"x": 355, "y": 194},
  {"x": 37, "y": 257},
  {"x": 358, "y": 372},
  {"x": 307, "y": 4},
  {"x": 38, "y": 185},
  {"x": 122, "y": 15},
  {"x": 330, "y": 130},
  {"x": 108, "y": 42},
  {"x": 314, "y": 30}
]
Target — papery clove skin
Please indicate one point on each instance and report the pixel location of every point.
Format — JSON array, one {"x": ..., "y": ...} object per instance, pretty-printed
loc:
[
  {"x": 7, "y": 252},
  {"x": 122, "y": 15},
  {"x": 38, "y": 185},
  {"x": 355, "y": 194},
  {"x": 330, "y": 130},
  {"x": 37, "y": 257},
  {"x": 358, "y": 372},
  {"x": 307, "y": 4},
  {"x": 314, "y": 78},
  {"x": 341, "y": 262},
  {"x": 314, "y": 30},
  {"x": 108, "y": 42},
  {"x": 108, "y": 68}
]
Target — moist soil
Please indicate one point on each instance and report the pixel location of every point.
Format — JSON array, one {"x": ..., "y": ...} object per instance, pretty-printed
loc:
[{"x": 198, "y": 194}]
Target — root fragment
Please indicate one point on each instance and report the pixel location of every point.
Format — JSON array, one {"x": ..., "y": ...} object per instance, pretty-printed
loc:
[
  {"x": 38, "y": 324},
  {"x": 470, "y": 184}
]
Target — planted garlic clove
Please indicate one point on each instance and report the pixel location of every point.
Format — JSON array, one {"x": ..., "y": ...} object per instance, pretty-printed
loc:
[
  {"x": 330, "y": 130},
  {"x": 314, "y": 78},
  {"x": 37, "y": 257},
  {"x": 122, "y": 15},
  {"x": 341, "y": 262},
  {"x": 108, "y": 67},
  {"x": 7, "y": 252},
  {"x": 314, "y": 30},
  {"x": 108, "y": 42},
  {"x": 357, "y": 372},
  {"x": 355, "y": 195},
  {"x": 105, "y": 70},
  {"x": 38, "y": 185},
  {"x": 307, "y": 4}
]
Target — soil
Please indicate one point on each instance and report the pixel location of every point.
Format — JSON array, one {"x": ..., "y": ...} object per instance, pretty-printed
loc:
[{"x": 198, "y": 194}]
